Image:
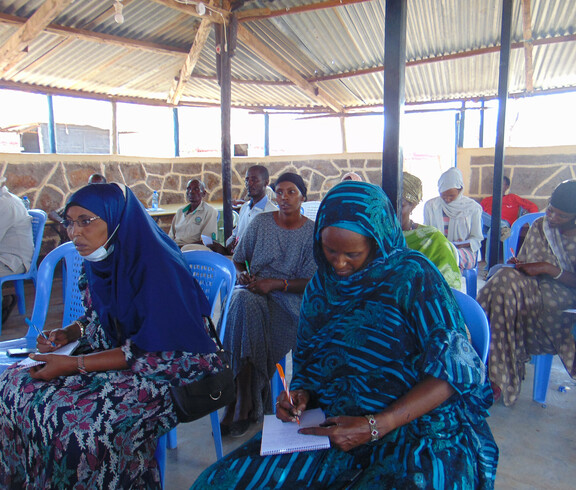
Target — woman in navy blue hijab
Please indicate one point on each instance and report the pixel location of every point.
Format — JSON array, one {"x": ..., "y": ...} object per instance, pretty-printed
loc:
[{"x": 93, "y": 420}]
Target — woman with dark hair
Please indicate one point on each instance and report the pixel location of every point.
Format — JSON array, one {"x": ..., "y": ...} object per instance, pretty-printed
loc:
[
  {"x": 92, "y": 420},
  {"x": 274, "y": 263},
  {"x": 382, "y": 349},
  {"x": 525, "y": 303}
]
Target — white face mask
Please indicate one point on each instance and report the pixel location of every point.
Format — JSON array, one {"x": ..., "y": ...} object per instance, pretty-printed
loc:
[
  {"x": 99, "y": 254},
  {"x": 102, "y": 252}
]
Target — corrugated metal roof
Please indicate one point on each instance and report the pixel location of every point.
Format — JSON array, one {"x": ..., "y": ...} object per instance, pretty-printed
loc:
[{"x": 340, "y": 50}]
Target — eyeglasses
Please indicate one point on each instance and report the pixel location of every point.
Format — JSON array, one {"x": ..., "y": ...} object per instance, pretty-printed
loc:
[{"x": 82, "y": 222}]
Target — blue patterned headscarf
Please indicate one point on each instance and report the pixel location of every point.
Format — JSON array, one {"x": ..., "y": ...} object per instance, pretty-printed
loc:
[
  {"x": 365, "y": 209},
  {"x": 144, "y": 290},
  {"x": 366, "y": 339}
]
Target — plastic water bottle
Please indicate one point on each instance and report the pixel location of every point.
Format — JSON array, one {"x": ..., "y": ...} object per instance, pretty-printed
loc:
[
  {"x": 26, "y": 202},
  {"x": 155, "y": 201}
]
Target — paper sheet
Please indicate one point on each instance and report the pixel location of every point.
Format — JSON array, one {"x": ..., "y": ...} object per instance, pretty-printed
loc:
[
  {"x": 62, "y": 351},
  {"x": 282, "y": 437},
  {"x": 206, "y": 240}
]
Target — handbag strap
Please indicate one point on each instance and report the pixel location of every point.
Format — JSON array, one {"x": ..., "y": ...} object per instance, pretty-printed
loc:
[{"x": 213, "y": 333}]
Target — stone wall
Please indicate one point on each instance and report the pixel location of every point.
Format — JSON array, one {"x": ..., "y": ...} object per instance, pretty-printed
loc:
[
  {"x": 48, "y": 180},
  {"x": 534, "y": 172}
]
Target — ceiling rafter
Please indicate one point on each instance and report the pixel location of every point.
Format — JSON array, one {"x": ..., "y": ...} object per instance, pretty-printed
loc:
[
  {"x": 16, "y": 46},
  {"x": 266, "y": 13},
  {"x": 528, "y": 45},
  {"x": 86, "y": 35},
  {"x": 217, "y": 15},
  {"x": 268, "y": 55},
  {"x": 190, "y": 62}
]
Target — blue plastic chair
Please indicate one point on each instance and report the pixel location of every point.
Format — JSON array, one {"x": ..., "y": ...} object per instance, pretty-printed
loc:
[
  {"x": 38, "y": 222},
  {"x": 512, "y": 241},
  {"x": 216, "y": 275},
  {"x": 477, "y": 323},
  {"x": 471, "y": 277},
  {"x": 73, "y": 307}
]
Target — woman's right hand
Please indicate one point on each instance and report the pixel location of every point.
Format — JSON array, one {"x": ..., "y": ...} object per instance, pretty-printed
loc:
[
  {"x": 286, "y": 411},
  {"x": 58, "y": 337},
  {"x": 244, "y": 278}
]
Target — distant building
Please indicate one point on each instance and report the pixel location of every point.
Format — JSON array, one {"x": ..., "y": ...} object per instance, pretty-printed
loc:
[{"x": 70, "y": 138}]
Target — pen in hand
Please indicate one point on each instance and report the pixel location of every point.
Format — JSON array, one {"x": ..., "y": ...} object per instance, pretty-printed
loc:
[
  {"x": 247, "y": 267},
  {"x": 40, "y": 332},
  {"x": 283, "y": 378}
]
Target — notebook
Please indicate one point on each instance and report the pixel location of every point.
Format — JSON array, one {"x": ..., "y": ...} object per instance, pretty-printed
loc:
[
  {"x": 282, "y": 437},
  {"x": 63, "y": 351}
]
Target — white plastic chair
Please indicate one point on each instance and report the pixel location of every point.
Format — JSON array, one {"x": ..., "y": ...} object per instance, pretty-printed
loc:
[{"x": 310, "y": 209}]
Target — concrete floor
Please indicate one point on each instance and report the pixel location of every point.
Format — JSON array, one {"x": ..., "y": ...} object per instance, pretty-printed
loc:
[{"x": 537, "y": 445}]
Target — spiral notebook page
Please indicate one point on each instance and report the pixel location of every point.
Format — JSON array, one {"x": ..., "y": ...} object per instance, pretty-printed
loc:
[
  {"x": 282, "y": 437},
  {"x": 63, "y": 351}
]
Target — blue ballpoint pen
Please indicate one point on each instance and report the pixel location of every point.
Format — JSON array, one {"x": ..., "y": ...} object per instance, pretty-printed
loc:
[{"x": 30, "y": 324}]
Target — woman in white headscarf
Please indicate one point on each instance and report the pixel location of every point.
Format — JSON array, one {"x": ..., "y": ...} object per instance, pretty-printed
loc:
[{"x": 457, "y": 216}]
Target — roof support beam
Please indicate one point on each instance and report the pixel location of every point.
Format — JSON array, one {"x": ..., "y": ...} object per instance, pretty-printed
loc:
[
  {"x": 266, "y": 13},
  {"x": 16, "y": 47},
  {"x": 190, "y": 62},
  {"x": 394, "y": 97},
  {"x": 220, "y": 17},
  {"x": 528, "y": 45},
  {"x": 278, "y": 64}
]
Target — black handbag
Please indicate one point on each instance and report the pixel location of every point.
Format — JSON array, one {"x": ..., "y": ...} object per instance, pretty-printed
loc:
[{"x": 196, "y": 400}]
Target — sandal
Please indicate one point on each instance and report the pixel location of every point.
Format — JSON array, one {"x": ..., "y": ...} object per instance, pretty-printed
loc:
[
  {"x": 8, "y": 304},
  {"x": 239, "y": 428}
]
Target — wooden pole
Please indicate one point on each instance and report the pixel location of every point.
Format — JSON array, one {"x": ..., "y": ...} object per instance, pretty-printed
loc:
[{"x": 223, "y": 58}]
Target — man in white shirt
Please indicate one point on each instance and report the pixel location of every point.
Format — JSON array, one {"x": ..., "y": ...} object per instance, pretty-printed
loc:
[
  {"x": 196, "y": 219},
  {"x": 256, "y": 182},
  {"x": 16, "y": 242}
]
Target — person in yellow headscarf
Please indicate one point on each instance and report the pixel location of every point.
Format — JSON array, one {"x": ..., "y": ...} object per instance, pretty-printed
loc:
[{"x": 427, "y": 239}]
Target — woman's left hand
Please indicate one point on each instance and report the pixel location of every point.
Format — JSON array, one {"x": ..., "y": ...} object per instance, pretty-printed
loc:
[
  {"x": 535, "y": 268},
  {"x": 344, "y": 432},
  {"x": 56, "y": 366}
]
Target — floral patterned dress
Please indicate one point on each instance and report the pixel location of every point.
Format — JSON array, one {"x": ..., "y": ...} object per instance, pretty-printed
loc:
[
  {"x": 526, "y": 314},
  {"x": 95, "y": 430}
]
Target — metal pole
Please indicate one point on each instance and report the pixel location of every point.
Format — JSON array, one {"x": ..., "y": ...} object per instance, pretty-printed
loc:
[
  {"x": 115, "y": 146},
  {"x": 394, "y": 97},
  {"x": 51, "y": 125},
  {"x": 494, "y": 238},
  {"x": 266, "y": 134},
  {"x": 176, "y": 131},
  {"x": 481, "y": 128}
]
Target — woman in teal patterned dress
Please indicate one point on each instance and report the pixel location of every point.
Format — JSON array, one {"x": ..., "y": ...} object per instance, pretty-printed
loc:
[
  {"x": 382, "y": 349},
  {"x": 93, "y": 420}
]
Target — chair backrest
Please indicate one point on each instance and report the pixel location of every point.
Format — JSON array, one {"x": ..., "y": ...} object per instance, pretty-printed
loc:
[
  {"x": 216, "y": 275},
  {"x": 512, "y": 241},
  {"x": 310, "y": 209},
  {"x": 73, "y": 307},
  {"x": 38, "y": 222},
  {"x": 477, "y": 323}
]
